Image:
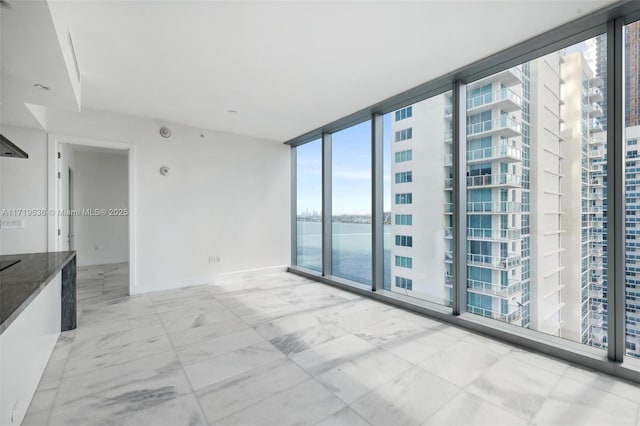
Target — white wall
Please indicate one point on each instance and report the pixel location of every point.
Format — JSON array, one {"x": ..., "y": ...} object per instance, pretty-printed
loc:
[
  {"x": 226, "y": 196},
  {"x": 23, "y": 185},
  {"x": 100, "y": 182}
]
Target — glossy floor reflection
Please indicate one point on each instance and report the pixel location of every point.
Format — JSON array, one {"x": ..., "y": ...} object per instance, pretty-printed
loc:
[{"x": 278, "y": 349}]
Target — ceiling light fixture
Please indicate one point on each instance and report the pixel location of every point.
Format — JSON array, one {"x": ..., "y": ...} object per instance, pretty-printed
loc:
[{"x": 40, "y": 86}]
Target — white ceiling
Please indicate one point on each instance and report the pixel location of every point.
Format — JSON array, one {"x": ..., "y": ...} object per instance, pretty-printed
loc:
[
  {"x": 30, "y": 54},
  {"x": 286, "y": 67}
]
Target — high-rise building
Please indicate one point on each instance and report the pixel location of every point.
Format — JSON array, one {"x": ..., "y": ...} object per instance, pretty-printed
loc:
[
  {"x": 632, "y": 71},
  {"x": 632, "y": 168},
  {"x": 535, "y": 158}
]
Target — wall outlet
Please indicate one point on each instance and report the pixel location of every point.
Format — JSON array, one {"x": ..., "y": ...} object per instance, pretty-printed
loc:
[
  {"x": 12, "y": 224},
  {"x": 214, "y": 260}
]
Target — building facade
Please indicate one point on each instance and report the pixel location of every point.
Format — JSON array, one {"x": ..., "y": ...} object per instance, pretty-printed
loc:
[{"x": 535, "y": 168}]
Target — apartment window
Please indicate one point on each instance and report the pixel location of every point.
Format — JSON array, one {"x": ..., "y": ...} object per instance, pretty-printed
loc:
[
  {"x": 433, "y": 267},
  {"x": 402, "y": 156},
  {"x": 498, "y": 143},
  {"x": 404, "y": 240},
  {"x": 404, "y": 262},
  {"x": 403, "y": 113},
  {"x": 351, "y": 203},
  {"x": 404, "y": 219},
  {"x": 404, "y": 198},
  {"x": 404, "y": 134},
  {"x": 404, "y": 177},
  {"x": 631, "y": 128},
  {"x": 309, "y": 205},
  {"x": 537, "y": 261},
  {"x": 404, "y": 283}
]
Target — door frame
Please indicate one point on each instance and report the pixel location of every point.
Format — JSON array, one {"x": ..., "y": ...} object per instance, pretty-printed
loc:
[
  {"x": 71, "y": 202},
  {"x": 53, "y": 219}
]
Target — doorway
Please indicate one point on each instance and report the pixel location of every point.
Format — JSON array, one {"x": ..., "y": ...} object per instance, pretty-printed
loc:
[{"x": 91, "y": 193}]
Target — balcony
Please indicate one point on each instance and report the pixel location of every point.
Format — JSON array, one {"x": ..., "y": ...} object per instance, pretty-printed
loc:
[
  {"x": 513, "y": 288},
  {"x": 508, "y": 77},
  {"x": 504, "y": 126},
  {"x": 448, "y": 208},
  {"x": 448, "y": 183},
  {"x": 597, "y": 307},
  {"x": 596, "y": 294},
  {"x": 596, "y": 82},
  {"x": 448, "y": 111},
  {"x": 597, "y": 152},
  {"x": 595, "y": 110},
  {"x": 595, "y": 126},
  {"x": 597, "y": 181},
  {"x": 494, "y": 207},
  {"x": 597, "y": 140},
  {"x": 448, "y": 135},
  {"x": 448, "y": 256},
  {"x": 496, "y": 262},
  {"x": 505, "y": 99},
  {"x": 498, "y": 179},
  {"x": 597, "y": 334},
  {"x": 510, "y": 317},
  {"x": 503, "y": 152},
  {"x": 595, "y": 94},
  {"x": 448, "y": 280},
  {"x": 596, "y": 319},
  {"x": 487, "y": 234}
]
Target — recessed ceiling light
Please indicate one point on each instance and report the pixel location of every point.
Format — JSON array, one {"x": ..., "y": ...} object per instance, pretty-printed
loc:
[
  {"x": 41, "y": 86},
  {"x": 232, "y": 111}
]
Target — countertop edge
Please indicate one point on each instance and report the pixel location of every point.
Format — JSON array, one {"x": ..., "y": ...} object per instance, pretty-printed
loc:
[{"x": 11, "y": 318}]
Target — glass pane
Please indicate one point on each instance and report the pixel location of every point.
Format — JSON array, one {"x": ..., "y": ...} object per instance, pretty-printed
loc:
[
  {"x": 632, "y": 188},
  {"x": 536, "y": 249},
  {"x": 351, "y": 203},
  {"x": 417, "y": 202},
  {"x": 309, "y": 205}
]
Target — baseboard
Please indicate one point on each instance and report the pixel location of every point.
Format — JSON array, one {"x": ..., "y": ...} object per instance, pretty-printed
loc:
[
  {"x": 104, "y": 262},
  {"x": 247, "y": 273}
]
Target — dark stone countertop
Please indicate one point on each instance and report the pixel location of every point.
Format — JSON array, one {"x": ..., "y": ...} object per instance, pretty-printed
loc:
[{"x": 22, "y": 282}]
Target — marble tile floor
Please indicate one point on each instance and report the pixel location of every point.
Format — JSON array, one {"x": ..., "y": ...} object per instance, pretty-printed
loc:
[{"x": 278, "y": 349}]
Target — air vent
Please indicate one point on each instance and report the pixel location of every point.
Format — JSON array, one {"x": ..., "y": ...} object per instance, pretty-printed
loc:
[{"x": 75, "y": 58}]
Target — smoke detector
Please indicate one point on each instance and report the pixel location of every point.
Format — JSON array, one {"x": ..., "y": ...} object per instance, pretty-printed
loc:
[{"x": 165, "y": 132}]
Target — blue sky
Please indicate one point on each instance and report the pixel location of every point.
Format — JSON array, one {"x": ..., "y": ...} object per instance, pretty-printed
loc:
[{"x": 351, "y": 170}]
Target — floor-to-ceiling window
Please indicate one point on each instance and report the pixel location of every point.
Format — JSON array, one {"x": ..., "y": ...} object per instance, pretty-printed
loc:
[
  {"x": 418, "y": 220},
  {"x": 309, "y": 205},
  {"x": 631, "y": 131},
  {"x": 537, "y": 210},
  {"x": 351, "y": 203},
  {"x": 536, "y": 251}
]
